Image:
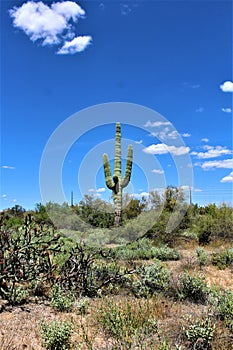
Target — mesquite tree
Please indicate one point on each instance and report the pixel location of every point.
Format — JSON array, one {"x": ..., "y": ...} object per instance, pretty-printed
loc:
[{"x": 117, "y": 183}]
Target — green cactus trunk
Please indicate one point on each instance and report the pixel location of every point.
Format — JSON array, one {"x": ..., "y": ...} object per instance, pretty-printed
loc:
[{"x": 116, "y": 183}]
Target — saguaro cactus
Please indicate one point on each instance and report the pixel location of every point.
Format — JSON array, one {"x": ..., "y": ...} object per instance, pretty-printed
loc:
[{"x": 117, "y": 183}]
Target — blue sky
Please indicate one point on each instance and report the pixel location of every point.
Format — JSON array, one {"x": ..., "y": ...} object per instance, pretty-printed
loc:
[{"x": 174, "y": 57}]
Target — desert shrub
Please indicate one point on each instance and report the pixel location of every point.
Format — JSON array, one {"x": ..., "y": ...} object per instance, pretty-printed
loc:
[
  {"x": 200, "y": 334},
  {"x": 81, "y": 305},
  {"x": 26, "y": 255},
  {"x": 225, "y": 308},
  {"x": 143, "y": 249},
  {"x": 129, "y": 324},
  {"x": 150, "y": 279},
  {"x": 165, "y": 253},
  {"x": 223, "y": 259},
  {"x": 61, "y": 300},
  {"x": 18, "y": 295},
  {"x": 202, "y": 257},
  {"x": 214, "y": 222},
  {"x": 56, "y": 335},
  {"x": 193, "y": 288},
  {"x": 88, "y": 275},
  {"x": 205, "y": 228}
]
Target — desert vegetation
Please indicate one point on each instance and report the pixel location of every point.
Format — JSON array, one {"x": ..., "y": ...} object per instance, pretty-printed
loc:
[{"x": 66, "y": 286}]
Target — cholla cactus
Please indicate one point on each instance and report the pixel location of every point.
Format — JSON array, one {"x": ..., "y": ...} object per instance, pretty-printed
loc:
[{"x": 117, "y": 183}]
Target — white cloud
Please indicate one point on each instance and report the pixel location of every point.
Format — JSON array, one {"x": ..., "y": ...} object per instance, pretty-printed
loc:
[
  {"x": 200, "y": 110},
  {"x": 212, "y": 152},
  {"x": 205, "y": 139},
  {"x": 156, "y": 124},
  {"x": 139, "y": 195},
  {"x": 197, "y": 190},
  {"x": 51, "y": 25},
  {"x": 78, "y": 44},
  {"x": 4, "y": 196},
  {"x": 191, "y": 86},
  {"x": 186, "y": 134},
  {"x": 8, "y": 167},
  {"x": 227, "y": 86},
  {"x": 226, "y": 110},
  {"x": 139, "y": 142},
  {"x": 68, "y": 9},
  {"x": 97, "y": 190},
  {"x": 228, "y": 178},
  {"x": 216, "y": 164},
  {"x": 125, "y": 9},
  {"x": 157, "y": 171},
  {"x": 166, "y": 133},
  {"x": 162, "y": 148}
]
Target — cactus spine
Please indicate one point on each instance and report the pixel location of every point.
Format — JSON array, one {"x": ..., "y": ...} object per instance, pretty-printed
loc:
[{"x": 117, "y": 183}]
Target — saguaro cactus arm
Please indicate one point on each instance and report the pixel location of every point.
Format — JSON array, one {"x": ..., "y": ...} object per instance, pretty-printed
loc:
[
  {"x": 107, "y": 171},
  {"x": 128, "y": 168}
]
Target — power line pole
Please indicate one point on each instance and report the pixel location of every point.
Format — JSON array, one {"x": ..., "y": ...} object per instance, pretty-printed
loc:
[
  {"x": 72, "y": 199},
  {"x": 190, "y": 195}
]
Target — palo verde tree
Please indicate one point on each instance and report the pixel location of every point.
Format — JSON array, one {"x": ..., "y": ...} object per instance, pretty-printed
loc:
[{"x": 117, "y": 183}]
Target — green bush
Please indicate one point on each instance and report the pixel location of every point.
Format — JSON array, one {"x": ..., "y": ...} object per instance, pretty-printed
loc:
[
  {"x": 151, "y": 278},
  {"x": 144, "y": 250},
  {"x": 200, "y": 334},
  {"x": 56, "y": 335},
  {"x": 18, "y": 295},
  {"x": 193, "y": 288},
  {"x": 141, "y": 249},
  {"x": 61, "y": 300},
  {"x": 165, "y": 253},
  {"x": 223, "y": 259},
  {"x": 202, "y": 257},
  {"x": 225, "y": 308}
]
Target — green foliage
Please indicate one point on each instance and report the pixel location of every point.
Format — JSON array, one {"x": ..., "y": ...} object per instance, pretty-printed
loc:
[
  {"x": 82, "y": 305},
  {"x": 165, "y": 253},
  {"x": 200, "y": 334},
  {"x": 56, "y": 335},
  {"x": 173, "y": 196},
  {"x": 202, "y": 257},
  {"x": 17, "y": 295},
  {"x": 214, "y": 222},
  {"x": 96, "y": 212},
  {"x": 41, "y": 214},
  {"x": 150, "y": 279},
  {"x": 61, "y": 300},
  {"x": 143, "y": 249},
  {"x": 16, "y": 211},
  {"x": 133, "y": 209},
  {"x": 223, "y": 259},
  {"x": 193, "y": 288},
  {"x": 225, "y": 308},
  {"x": 130, "y": 325}
]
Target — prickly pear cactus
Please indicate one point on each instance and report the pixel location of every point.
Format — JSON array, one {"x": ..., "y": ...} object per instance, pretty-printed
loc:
[{"x": 117, "y": 183}]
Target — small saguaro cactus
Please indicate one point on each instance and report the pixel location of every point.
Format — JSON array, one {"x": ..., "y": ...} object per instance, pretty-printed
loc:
[{"x": 117, "y": 183}]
